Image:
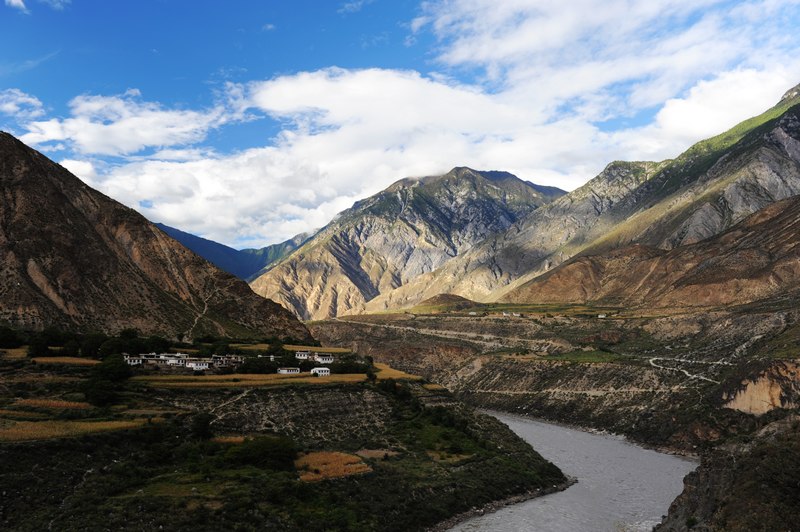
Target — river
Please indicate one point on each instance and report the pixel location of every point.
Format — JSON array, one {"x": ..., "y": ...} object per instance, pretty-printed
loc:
[{"x": 621, "y": 486}]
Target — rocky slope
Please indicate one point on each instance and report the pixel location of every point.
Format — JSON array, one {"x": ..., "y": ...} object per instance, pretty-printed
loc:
[
  {"x": 413, "y": 227},
  {"x": 706, "y": 190},
  {"x": 245, "y": 264},
  {"x": 744, "y": 486},
  {"x": 75, "y": 259},
  {"x": 759, "y": 258}
]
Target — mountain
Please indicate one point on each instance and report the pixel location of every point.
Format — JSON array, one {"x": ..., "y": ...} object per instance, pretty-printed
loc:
[
  {"x": 413, "y": 227},
  {"x": 757, "y": 259},
  {"x": 75, "y": 259},
  {"x": 246, "y": 264},
  {"x": 704, "y": 191}
]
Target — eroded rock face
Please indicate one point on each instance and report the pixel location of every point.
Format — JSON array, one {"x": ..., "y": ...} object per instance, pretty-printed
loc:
[
  {"x": 383, "y": 242},
  {"x": 776, "y": 387},
  {"x": 76, "y": 259}
]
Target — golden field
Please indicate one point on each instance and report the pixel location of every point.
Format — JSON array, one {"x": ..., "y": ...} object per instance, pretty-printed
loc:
[
  {"x": 45, "y": 430},
  {"x": 323, "y": 465}
]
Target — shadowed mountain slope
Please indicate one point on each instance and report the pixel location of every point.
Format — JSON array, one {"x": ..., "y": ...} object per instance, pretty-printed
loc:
[
  {"x": 75, "y": 259},
  {"x": 245, "y": 264}
]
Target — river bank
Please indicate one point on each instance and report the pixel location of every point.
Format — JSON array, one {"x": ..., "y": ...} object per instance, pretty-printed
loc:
[{"x": 620, "y": 485}]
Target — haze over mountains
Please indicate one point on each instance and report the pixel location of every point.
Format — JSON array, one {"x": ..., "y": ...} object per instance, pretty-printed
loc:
[{"x": 75, "y": 259}]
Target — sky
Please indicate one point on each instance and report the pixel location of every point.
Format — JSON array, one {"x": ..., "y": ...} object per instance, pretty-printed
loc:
[{"x": 250, "y": 121}]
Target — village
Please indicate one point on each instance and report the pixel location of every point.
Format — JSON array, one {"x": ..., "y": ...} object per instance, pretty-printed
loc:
[{"x": 184, "y": 361}]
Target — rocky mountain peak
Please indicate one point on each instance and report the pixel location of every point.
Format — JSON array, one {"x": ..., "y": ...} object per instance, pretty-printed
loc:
[
  {"x": 792, "y": 94},
  {"x": 410, "y": 229}
]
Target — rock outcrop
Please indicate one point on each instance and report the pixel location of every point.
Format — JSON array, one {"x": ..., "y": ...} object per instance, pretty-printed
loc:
[{"x": 76, "y": 259}]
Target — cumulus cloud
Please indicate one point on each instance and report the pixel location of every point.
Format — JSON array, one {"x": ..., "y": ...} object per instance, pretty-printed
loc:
[
  {"x": 19, "y": 105},
  {"x": 123, "y": 124},
  {"x": 17, "y": 4}
]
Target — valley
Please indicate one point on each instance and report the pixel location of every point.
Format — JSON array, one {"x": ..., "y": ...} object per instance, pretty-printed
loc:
[{"x": 179, "y": 450}]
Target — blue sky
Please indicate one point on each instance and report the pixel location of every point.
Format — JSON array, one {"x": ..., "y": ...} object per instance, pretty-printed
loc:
[{"x": 250, "y": 121}]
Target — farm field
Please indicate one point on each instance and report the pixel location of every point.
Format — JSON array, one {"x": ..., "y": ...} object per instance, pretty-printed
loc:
[{"x": 15, "y": 431}]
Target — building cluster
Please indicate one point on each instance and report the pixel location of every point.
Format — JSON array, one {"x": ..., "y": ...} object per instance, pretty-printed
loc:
[
  {"x": 314, "y": 356},
  {"x": 192, "y": 362},
  {"x": 182, "y": 360}
]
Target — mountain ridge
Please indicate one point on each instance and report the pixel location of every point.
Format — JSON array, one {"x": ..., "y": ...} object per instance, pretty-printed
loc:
[
  {"x": 76, "y": 259},
  {"x": 710, "y": 187},
  {"x": 382, "y": 242},
  {"x": 246, "y": 264}
]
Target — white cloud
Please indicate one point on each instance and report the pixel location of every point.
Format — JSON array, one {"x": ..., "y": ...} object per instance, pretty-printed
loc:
[
  {"x": 17, "y": 4},
  {"x": 268, "y": 27},
  {"x": 708, "y": 109},
  {"x": 123, "y": 124},
  {"x": 549, "y": 91},
  {"x": 354, "y": 6},
  {"x": 56, "y": 4},
  {"x": 19, "y": 105}
]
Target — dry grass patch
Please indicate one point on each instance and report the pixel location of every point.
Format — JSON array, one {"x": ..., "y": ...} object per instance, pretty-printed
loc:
[
  {"x": 387, "y": 372},
  {"x": 246, "y": 380},
  {"x": 228, "y": 439},
  {"x": 324, "y": 465},
  {"x": 46, "y": 430},
  {"x": 434, "y": 387},
  {"x": 39, "y": 378},
  {"x": 340, "y": 350},
  {"x": 16, "y": 352},
  {"x": 72, "y": 361},
  {"x": 22, "y": 414},
  {"x": 52, "y": 403}
]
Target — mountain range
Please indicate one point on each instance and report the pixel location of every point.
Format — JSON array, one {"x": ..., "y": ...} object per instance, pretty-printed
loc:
[
  {"x": 75, "y": 259},
  {"x": 246, "y": 264},
  {"x": 487, "y": 235},
  {"x": 383, "y": 242}
]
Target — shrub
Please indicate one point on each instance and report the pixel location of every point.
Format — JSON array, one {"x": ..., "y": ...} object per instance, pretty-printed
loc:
[{"x": 272, "y": 452}]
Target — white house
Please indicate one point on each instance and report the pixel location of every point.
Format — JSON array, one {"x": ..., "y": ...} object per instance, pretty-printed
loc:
[
  {"x": 321, "y": 372},
  {"x": 301, "y": 355},
  {"x": 288, "y": 371},
  {"x": 133, "y": 360},
  {"x": 323, "y": 358},
  {"x": 197, "y": 364}
]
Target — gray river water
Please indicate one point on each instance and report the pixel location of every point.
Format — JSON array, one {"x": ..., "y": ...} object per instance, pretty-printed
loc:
[{"x": 621, "y": 486}]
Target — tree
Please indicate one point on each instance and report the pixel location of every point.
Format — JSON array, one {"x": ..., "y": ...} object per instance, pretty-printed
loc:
[
  {"x": 71, "y": 348},
  {"x": 9, "y": 338},
  {"x": 37, "y": 346},
  {"x": 90, "y": 344}
]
